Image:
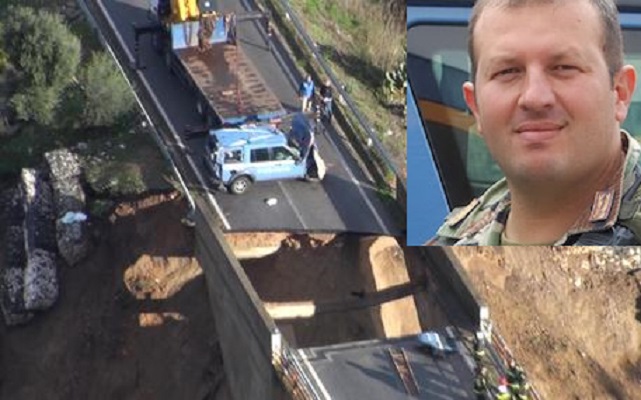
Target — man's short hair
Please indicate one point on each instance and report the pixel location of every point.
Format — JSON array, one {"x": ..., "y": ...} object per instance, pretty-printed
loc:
[{"x": 607, "y": 9}]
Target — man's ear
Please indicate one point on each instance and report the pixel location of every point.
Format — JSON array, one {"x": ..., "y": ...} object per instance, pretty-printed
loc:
[
  {"x": 624, "y": 82},
  {"x": 470, "y": 100}
]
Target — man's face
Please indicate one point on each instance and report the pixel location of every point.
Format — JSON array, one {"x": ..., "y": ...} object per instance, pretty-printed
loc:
[{"x": 543, "y": 98}]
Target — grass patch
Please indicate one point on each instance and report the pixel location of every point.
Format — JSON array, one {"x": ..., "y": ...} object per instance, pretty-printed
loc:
[
  {"x": 124, "y": 165},
  {"x": 360, "y": 43},
  {"x": 312, "y": 7},
  {"x": 25, "y": 149},
  {"x": 118, "y": 162},
  {"x": 341, "y": 17}
]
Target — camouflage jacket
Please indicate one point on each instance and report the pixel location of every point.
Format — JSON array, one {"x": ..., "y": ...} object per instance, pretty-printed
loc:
[{"x": 614, "y": 218}]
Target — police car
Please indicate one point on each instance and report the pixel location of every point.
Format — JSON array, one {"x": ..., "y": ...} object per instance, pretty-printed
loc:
[{"x": 240, "y": 156}]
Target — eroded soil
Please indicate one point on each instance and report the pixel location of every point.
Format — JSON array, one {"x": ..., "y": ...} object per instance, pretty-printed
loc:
[
  {"x": 133, "y": 319},
  {"x": 338, "y": 274},
  {"x": 575, "y": 325}
]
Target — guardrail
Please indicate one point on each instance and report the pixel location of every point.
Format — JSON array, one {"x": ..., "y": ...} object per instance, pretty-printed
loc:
[
  {"x": 369, "y": 140},
  {"x": 152, "y": 128},
  {"x": 293, "y": 376},
  {"x": 287, "y": 366},
  {"x": 504, "y": 353}
]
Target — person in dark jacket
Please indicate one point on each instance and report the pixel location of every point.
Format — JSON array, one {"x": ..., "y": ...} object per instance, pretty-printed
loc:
[
  {"x": 481, "y": 384},
  {"x": 327, "y": 99}
]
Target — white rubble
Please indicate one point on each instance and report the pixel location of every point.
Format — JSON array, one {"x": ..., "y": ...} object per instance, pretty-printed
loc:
[
  {"x": 70, "y": 202},
  {"x": 42, "y": 216},
  {"x": 40, "y": 274},
  {"x": 40, "y": 280}
]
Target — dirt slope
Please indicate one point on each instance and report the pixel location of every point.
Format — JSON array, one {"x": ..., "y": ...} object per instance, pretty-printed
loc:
[
  {"x": 132, "y": 321},
  {"x": 571, "y": 316},
  {"x": 331, "y": 271}
]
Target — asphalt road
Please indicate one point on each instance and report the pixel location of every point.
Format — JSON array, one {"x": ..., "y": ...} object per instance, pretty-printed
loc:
[
  {"x": 364, "y": 370},
  {"x": 344, "y": 201}
]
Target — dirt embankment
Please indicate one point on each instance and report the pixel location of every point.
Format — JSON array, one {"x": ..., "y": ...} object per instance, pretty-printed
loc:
[
  {"x": 571, "y": 316},
  {"x": 132, "y": 320},
  {"x": 330, "y": 286}
]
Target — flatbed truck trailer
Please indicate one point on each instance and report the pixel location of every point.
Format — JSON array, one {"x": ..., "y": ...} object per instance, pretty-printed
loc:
[{"x": 200, "y": 47}]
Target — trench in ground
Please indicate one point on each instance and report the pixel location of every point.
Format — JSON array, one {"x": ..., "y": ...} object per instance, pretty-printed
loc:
[{"x": 325, "y": 289}]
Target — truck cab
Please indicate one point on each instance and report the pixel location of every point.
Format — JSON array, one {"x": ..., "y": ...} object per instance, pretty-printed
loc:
[
  {"x": 240, "y": 156},
  {"x": 448, "y": 163}
]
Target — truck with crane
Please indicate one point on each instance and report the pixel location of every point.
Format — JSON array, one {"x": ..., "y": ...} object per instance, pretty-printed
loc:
[
  {"x": 200, "y": 46},
  {"x": 241, "y": 115}
]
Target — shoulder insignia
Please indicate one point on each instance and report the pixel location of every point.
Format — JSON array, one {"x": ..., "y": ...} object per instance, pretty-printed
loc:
[
  {"x": 460, "y": 214},
  {"x": 484, "y": 219},
  {"x": 602, "y": 205}
]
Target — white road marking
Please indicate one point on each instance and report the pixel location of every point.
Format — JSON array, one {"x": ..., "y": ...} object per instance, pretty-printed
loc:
[
  {"x": 319, "y": 383},
  {"x": 356, "y": 182},
  {"x": 462, "y": 349},
  {"x": 358, "y": 185},
  {"x": 178, "y": 140},
  {"x": 165, "y": 117},
  {"x": 291, "y": 203}
]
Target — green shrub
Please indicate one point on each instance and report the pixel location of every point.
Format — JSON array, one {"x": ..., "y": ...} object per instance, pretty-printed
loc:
[
  {"x": 36, "y": 103},
  {"x": 46, "y": 54},
  {"x": 396, "y": 83},
  {"x": 107, "y": 97},
  {"x": 115, "y": 179},
  {"x": 41, "y": 46}
]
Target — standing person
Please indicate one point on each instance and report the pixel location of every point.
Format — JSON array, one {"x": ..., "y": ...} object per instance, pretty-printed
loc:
[
  {"x": 550, "y": 112},
  {"x": 306, "y": 93},
  {"x": 479, "y": 347},
  {"x": 327, "y": 98},
  {"x": 502, "y": 392},
  {"x": 516, "y": 378},
  {"x": 481, "y": 384}
]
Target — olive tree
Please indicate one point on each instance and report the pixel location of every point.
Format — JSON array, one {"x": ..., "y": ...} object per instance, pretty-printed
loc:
[
  {"x": 105, "y": 92},
  {"x": 36, "y": 103},
  {"x": 46, "y": 55}
]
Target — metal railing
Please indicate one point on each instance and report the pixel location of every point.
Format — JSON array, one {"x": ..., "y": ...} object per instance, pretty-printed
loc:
[
  {"x": 505, "y": 355},
  {"x": 293, "y": 376},
  {"x": 152, "y": 128},
  {"x": 372, "y": 139}
]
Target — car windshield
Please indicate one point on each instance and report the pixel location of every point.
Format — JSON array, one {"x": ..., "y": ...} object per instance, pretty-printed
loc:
[
  {"x": 437, "y": 67},
  {"x": 283, "y": 153},
  {"x": 233, "y": 156}
]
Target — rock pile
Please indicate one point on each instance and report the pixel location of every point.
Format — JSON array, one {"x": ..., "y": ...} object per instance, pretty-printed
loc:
[
  {"x": 40, "y": 280},
  {"x": 619, "y": 258},
  {"x": 71, "y": 230},
  {"x": 611, "y": 259},
  {"x": 12, "y": 276},
  {"x": 43, "y": 215}
]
